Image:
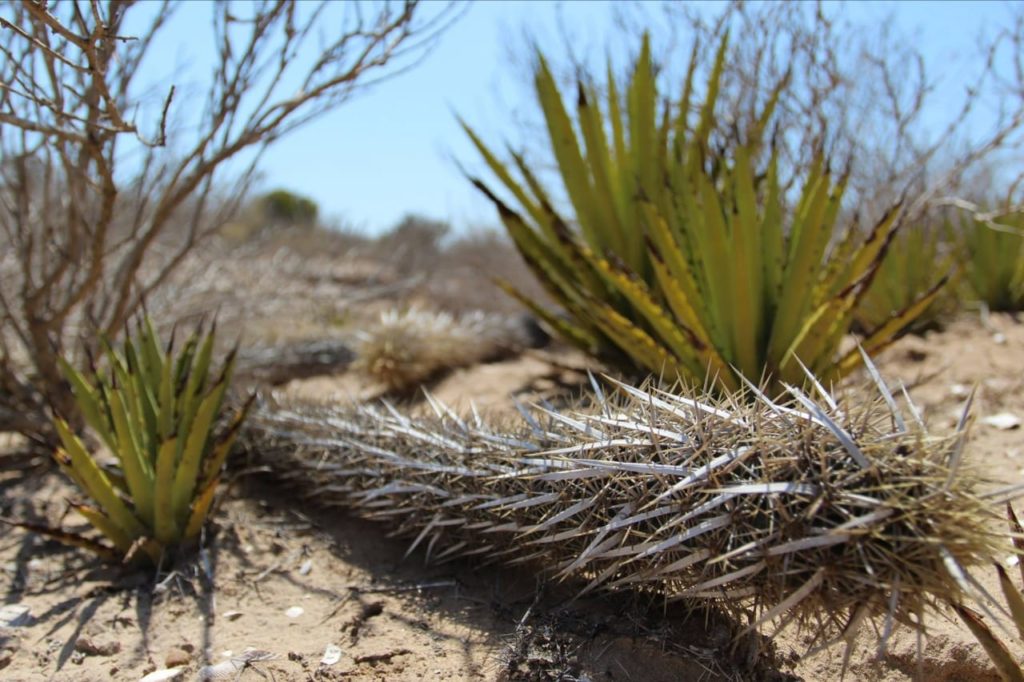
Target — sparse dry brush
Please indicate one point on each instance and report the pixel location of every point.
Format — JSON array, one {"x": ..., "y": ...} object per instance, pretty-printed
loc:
[
  {"x": 98, "y": 208},
  {"x": 823, "y": 514},
  {"x": 406, "y": 348}
]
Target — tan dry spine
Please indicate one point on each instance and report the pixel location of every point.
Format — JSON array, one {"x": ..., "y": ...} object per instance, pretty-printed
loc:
[{"x": 814, "y": 514}]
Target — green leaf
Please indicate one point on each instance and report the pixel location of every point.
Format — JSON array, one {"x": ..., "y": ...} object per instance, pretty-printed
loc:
[
  {"x": 164, "y": 519},
  {"x": 95, "y": 482}
]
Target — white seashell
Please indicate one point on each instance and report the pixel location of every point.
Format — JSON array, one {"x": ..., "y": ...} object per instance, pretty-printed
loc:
[
  {"x": 1004, "y": 421},
  {"x": 332, "y": 654},
  {"x": 165, "y": 675},
  {"x": 959, "y": 390}
]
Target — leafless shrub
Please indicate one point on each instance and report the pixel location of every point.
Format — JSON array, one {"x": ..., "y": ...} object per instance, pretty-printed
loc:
[{"x": 97, "y": 210}]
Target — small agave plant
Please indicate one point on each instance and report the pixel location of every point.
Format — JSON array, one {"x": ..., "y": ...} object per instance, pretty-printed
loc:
[{"x": 152, "y": 480}]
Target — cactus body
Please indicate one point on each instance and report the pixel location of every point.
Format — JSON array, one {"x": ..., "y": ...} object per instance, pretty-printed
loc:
[{"x": 812, "y": 512}]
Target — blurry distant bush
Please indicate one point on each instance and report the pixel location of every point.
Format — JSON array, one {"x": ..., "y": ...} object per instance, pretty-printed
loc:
[
  {"x": 284, "y": 208},
  {"x": 471, "y": 263},
  {"x": 413, "y": 244},
  {"x": 97, "y": 210}
]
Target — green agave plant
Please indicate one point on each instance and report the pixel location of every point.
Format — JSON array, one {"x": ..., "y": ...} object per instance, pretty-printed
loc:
[
  {"x": 155, "y": 413},
  {"x": 685, "y": 261},
  {"x": 995, "y": 260},
  {"x": 922, "y": 259}
]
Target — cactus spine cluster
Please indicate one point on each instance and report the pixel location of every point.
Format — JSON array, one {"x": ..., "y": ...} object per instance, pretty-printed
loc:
[{"x": 815, "y": 511}]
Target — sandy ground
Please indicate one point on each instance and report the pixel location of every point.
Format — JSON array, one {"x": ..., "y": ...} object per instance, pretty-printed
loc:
[{"x": 288, "y": 583}]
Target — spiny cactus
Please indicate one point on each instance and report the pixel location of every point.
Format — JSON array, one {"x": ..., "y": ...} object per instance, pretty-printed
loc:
[
  {"x": 816, "y": 512},
  {"x": 406, "y": 348}
]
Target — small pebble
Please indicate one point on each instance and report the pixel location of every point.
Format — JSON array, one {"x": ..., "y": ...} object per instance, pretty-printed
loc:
[
  {"x": 90, "y": 647},
  {"x": 14, "y": 616},
  {"x": 294, "y": 612},
  {"x": 176, "y": 658},
  {"x": 306, "y": 567},
  {"x": 232, "y": 615},
  {"x": 1004, "y": 421},
  {"x": 959, "y": 390}
]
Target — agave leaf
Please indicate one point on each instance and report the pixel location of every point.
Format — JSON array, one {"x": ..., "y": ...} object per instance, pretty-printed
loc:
[
  {"x": 746, "y": 248},
  {"x": 196, "y": 438},
  {"x": 997, "y": 651},
  {"x": 600, "y": 161},
  {"x": 707, "y": 113},
  {"x": 886, "y": 334},
  {"x": 683, "y": 113},
  {"x": 575, "y": 334},
  {"x": 713, "y": 242},
  {"x": 772, "y": 240},
  {"x": 141, "y": 403},
  {"x": 151, "y": 353},
  {"x": 499, "y": 170},
  {"x": 140, "y": 482},
  {"x": 634, "y": 340},
  {"x": 681, "y": 341},
  {"x": 183, "y": 365},
  {"x": 219, "y": 451},
  {"x": 188, "y": 400},
  {"x": 678, "y": 300},
  {"x": 567, "y": 153},
  {"x": 165, "y": 418},
  {"x": 70, "y": 539},
  {"x": 165, "y": 523},
  {"x": 88, "y": 400},
  {"x": 1014, "y": 600},
  {"x": 641, "y": 101},
  {"x": 807, "y": 241},
  {"x": 200, "y": 510},
  {"x": 95, "y": 482},
  {"x": 103, "y": 524}
]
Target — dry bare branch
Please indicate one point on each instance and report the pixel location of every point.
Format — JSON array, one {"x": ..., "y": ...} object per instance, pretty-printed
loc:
[{"x": 86, "y": 195}]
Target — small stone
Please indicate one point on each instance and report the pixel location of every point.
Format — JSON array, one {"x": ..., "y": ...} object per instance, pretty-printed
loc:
[
  {"x": 959, "y": 390},
  {"x": 999, "y": 338},
  {"x": 90, "y": 647},
  {"x": 14, "y": 616},
  {"x": 1004, "y": 421},
  {"x": 295, "y": 612},
  {"x": 306, "y": 567},
  {"x": 232, "y": 615},
  {"x": 176, "y": 658}
]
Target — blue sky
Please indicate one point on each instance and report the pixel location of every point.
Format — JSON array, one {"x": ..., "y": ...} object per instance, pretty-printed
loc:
[{"x": 390, "y": 151}]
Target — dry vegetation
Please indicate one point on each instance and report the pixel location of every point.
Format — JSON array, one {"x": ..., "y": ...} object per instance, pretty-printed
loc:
[{"x": 284, "y": 586}]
